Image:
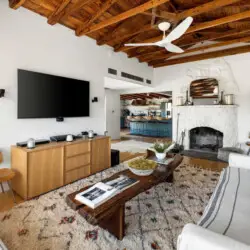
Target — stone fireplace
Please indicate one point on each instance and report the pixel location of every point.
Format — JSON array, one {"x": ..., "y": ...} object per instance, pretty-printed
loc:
[
  {"x": 218, "y": 123},
  {"x": 205, "y": 139}
]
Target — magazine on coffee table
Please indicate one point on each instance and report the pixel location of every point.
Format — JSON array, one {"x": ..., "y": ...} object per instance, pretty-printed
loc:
[{"x": 101, "y": 192}]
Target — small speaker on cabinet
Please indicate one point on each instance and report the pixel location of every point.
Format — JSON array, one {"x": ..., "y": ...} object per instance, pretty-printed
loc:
[{"x": 2, "y": 92}]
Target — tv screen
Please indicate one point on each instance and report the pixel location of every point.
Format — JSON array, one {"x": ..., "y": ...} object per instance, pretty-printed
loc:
[{"x": 47, "y": 96}]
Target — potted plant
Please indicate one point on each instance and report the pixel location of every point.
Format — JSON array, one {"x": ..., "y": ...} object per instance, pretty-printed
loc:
[{"x": 161, "y": 148}]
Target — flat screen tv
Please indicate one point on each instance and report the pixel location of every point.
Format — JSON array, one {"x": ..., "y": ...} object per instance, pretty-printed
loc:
[{"x": 47, "y": 96}]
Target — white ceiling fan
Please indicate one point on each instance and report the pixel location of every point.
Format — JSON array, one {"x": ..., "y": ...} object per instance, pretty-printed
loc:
[{"x": 166, "y": 41}]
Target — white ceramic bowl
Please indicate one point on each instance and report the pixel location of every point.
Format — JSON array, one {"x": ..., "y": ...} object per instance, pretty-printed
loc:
[{"x": 141, "y": 172}]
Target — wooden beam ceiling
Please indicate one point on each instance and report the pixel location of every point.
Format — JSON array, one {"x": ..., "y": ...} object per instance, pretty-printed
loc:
[
  {"x": 196, "y": 28},
  {"x": 115, "y": 22},
  {"x": 127, "y": 14},
  {"x": 147, "y": 56},
  {"x": 220, "y": 21},
  {"x": 106, "y": 5},
  {"x": 116, "y": 38},
  {"x": 205, "y": 8},
  {"x": 214, "y": 54},
  {"x": 65, "y": 9},
  {"x": 202, "y": 48},
  {"x": 15, "y": 4}
]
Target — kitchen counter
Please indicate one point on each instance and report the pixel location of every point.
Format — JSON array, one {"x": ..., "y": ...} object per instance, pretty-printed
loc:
[{"x": 153, "y": 127}]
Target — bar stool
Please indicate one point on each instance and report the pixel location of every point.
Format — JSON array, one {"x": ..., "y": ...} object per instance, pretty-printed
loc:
[{"x": 6, "y": 175}]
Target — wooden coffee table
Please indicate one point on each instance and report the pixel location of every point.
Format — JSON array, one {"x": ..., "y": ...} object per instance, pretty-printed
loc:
[{"x": 110, "y": 215}]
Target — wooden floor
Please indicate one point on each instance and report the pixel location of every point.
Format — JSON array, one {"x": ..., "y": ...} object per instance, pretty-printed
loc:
[{"x": 6, "y": 201}]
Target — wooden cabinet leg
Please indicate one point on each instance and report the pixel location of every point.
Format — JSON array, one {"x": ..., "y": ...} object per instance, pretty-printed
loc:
[{"x": 115, "y": 224}]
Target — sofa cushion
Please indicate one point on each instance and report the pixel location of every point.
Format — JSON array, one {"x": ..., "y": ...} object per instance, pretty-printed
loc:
[{"x": 227, "y": 212}]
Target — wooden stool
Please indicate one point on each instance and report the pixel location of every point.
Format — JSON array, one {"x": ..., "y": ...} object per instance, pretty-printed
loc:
[{"x": 6, "y": 175}]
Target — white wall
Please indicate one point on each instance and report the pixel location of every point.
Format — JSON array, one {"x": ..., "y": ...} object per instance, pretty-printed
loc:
[
  {"x": 28, "y": 42},
  {"x": 233, "y": 75},
  {"x": 113, "y": 113}
]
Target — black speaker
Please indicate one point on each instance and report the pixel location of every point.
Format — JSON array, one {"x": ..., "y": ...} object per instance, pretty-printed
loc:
[
  {"x": 2, "y": 92},
  {"x": 59, "y": 119},
  {"x": 115, "y": 157}
]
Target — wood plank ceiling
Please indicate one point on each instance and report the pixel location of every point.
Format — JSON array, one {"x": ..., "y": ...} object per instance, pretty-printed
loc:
[{"x": 225, "y": 23}]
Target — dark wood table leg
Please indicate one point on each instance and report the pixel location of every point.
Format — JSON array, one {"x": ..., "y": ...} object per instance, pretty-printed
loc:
[
  {"x": 170, "y": 178},
  {"x": 115, "y": 224}
]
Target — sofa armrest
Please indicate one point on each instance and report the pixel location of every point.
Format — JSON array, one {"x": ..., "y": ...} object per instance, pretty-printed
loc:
[
  {"x": 194, "y": 237},
  {"x": 239, "y": 161}
]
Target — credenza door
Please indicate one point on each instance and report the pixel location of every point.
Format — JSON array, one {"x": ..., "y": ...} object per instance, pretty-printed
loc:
[
  {"x": 45, "y": 170},
  {"x": 100, "y": 155}
]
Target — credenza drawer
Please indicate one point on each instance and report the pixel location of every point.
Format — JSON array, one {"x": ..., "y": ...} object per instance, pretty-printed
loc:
[
  {"x": 77, "y": 149},
  {"x": 77, "y": 161},
  {"x": 77, "y": 174}
]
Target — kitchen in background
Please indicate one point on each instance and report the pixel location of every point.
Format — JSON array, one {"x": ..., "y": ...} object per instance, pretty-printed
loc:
[{"x": 147, "y": 114}]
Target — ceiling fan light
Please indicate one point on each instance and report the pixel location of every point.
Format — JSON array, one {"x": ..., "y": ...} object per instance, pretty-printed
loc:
[{"x": 164, "y": 26}]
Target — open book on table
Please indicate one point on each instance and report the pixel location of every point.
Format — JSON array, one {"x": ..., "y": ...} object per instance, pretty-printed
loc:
[{"x": 103, "y": 191}]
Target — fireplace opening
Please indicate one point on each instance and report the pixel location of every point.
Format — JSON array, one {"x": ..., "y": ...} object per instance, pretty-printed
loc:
[{"x": 206, "y": 139}]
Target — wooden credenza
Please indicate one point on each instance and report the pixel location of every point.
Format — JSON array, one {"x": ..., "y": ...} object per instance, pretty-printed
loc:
[{"x": 53, "y": 165}]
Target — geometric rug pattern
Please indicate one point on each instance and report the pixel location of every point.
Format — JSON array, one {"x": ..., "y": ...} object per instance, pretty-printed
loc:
[{"x": 154, "y": 219}]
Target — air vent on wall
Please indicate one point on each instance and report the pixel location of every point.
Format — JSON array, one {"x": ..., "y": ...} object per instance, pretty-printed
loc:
[
  {"x": 112, "y": 71},
  {"x": 148, "y": 81},
  {"x": 132, "y": 77}
]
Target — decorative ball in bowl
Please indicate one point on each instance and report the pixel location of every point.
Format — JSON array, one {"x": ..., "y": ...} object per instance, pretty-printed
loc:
[{"x": 142, "y": 167}]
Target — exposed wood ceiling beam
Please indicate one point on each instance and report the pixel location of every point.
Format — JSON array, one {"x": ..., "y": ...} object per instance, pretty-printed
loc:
[
  {"x": 162, "y": 14},
  {"x": 197, "y": 27},
  {"x": 106, "y": 5},
  {"x": 220, "y": 21},
  {"x": 116, "y": 38},
  {"x": 205, "y": 8},
  {"x": 15, "y": 4},
  {"x": 64, "y": 10},
  {"x": 132, "y": 12},
  {"x": 144, "y": 57},
  {"x": 209, "y": 55},
  {"x": 211, "y": 46}
]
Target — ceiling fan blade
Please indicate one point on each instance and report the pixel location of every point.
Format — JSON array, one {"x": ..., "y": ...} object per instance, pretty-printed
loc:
[
  {"x": 140, "y": 44},
  {"x": 178, "y": 31},
  {"x": 173, "y": 48}
]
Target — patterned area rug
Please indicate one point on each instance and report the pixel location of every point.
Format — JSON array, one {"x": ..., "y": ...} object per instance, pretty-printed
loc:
[
  {"x": 154, "y": 219},
  {"x": 131, "y": 146}
]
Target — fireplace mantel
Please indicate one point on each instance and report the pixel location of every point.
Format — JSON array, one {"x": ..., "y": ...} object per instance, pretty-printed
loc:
[
  {"x": 207, "y": 106},
  {"x": 220, "y": 117}
]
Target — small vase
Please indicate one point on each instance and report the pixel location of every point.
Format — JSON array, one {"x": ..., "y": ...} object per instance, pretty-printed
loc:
[{"x": 160, "y": 156}]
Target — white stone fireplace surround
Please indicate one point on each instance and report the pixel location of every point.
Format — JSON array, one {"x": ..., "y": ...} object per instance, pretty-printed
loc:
[{"x": 219, "y": 117}]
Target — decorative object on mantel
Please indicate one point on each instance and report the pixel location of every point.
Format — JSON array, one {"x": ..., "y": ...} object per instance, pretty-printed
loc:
[
  {"x": 179, "y": 101},
  {"x": 161, "y": 149},
  {"x": 187, "y": 102},
  {"x": 229, "y": 99},
  {"x": 248, "y": 144},
  {"x": 221, "y": 102},
  {"x": 204, "y": 88}
]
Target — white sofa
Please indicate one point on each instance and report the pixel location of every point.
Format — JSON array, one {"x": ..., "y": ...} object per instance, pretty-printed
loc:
[{"x": 225, "y": 223}]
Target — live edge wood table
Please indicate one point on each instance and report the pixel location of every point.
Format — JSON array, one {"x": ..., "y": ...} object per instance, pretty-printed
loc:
[{"x": 111, "y": 214}]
